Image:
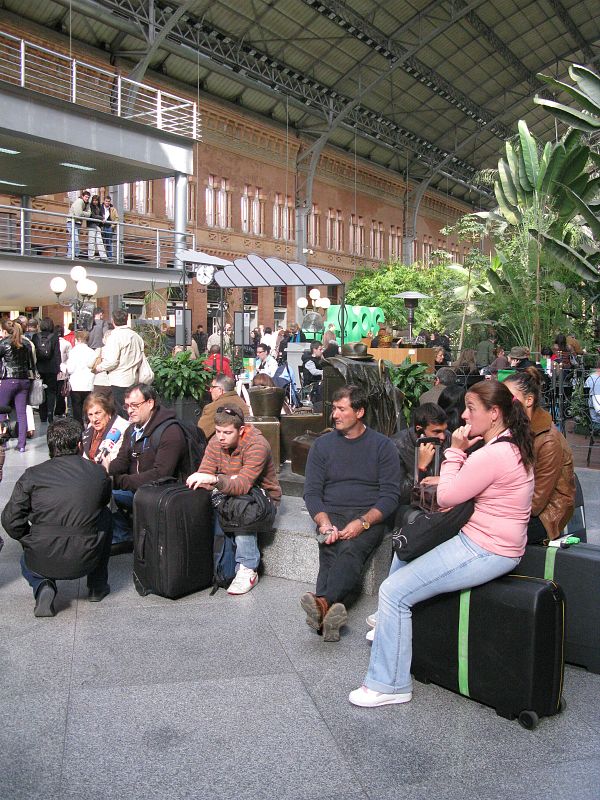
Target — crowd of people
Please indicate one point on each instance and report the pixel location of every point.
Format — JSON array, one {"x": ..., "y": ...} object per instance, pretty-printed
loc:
[{"x": 100, "y": 218}]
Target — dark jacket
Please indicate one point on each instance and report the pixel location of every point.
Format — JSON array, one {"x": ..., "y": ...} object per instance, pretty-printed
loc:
[
  {"x": 138, "y": 462},
  {"x": 53, "y": 511},
  {"x": 308, "y": 377},
  {"x": 97, "y": 332},
  {"x": 96, "y": 218},
  {"x": 51, "y": 365},
  {"x": 15, "y": 362},
  {"x": 405, "y": 442}
]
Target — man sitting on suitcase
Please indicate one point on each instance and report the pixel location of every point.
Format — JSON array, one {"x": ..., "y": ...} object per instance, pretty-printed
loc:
[
  {"x": 237, "y": 458},
  {"x": 141, "y": 459},
  {"x": 58, "y": 512},
  {"x": 351, "y": 488}
]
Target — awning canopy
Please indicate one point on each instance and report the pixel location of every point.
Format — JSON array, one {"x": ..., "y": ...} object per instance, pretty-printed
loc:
[{"x": 254, "y": 271}]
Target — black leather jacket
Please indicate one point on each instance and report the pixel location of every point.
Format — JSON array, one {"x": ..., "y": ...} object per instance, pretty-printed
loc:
[{"x": 15, "y": 362}]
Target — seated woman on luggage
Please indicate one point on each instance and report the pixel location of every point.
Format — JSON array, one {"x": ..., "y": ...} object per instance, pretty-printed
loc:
[
  {"x": 105, "y": 431},
  {"x": 554, "y": 492},
  {"x": 499, "y": 478}
]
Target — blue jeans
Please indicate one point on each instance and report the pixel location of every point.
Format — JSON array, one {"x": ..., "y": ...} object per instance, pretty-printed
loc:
[
  {"x": 122, "y": 519},
  {"x": 456, "y": 564},
  {"x": 74, "y": 240},
  {"x": 107, "y": 238},
  {"x": 246, "y": 548},
  {"x": 97, "y": 578}
]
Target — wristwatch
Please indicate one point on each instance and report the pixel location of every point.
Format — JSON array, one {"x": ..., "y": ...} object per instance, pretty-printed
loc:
[{"x": 366, "y": 525}]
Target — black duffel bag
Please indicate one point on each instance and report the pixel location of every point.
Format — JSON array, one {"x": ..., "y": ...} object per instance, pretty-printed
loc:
[
  {"x": 254, "y": 511},
  {"x": 421, "y": 531}
]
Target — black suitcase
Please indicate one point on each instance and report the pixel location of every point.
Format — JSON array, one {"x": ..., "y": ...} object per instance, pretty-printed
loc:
[
  {"x": 576, "y": 569},
  {"x": 500, "y": 644},
  {"x": 172, "y": 540}
]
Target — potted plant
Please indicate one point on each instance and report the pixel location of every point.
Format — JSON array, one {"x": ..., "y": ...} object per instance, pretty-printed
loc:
[
  {"x": 181, "y": 383},
  {"x": 412, "y": 380}
]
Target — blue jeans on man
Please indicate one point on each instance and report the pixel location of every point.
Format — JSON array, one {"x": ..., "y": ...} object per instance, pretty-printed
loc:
[
  {"x": 107, "y": 237},
  {"x": 123, "y": 517},
  {"x": 247, "y": 553},
  {"x": 73, "y": 242}
]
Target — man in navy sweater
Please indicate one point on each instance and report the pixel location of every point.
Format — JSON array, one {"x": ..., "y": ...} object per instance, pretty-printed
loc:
[{"x": 351, "y": 488}]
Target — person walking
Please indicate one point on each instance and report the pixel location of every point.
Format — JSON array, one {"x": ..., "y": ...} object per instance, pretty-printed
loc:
[
  {"x": 47, "y": 351},
  {"x": 16, "y": 367}
]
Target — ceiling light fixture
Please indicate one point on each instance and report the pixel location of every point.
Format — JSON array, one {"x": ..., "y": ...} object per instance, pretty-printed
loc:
[
  {"x": 9, "y": 152},
  {"x": 77, "y": 166},
  {"x": 13, "y": 183}
]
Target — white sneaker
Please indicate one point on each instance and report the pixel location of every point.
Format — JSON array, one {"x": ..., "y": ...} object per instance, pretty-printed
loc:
[
  {"x": 368, "y": 698},
  {"x": 245, "y": 579},
  {"x": 370, "y": 635},
  {"x": 372, "y": 620}
]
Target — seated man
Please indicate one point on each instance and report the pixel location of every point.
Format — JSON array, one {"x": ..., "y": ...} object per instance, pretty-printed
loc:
[
  {"x": 350, "y": 489},
  {"x": 428, "y": 420},
  {"x": 222, "y": 393},
  {"x": 58, "y": 511},
  {"x": 265, "y": 362},
  {"x": 445, "y": 376},
  {"x": 312, "y": 371},
  {"x": 237, "y": 458},
  {"x": 146, "y": 455}
]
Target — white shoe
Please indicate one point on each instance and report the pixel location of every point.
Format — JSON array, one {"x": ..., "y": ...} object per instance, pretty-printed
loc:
[
  {"x": 245, "y": 579},
  {"x": 372, "y": 620},
  {"x": 368, "y": 698},
  {"x": 370, "y": 635}
]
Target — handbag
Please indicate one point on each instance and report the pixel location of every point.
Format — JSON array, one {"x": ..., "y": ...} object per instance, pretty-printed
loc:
[
  {"x": 36, "y": 391},
  {"x": 421, "y": 531},
  {"x": 145, "y": 373},
  {"x": 254, "y": 511},
  {"x": 66, "y": 388}
]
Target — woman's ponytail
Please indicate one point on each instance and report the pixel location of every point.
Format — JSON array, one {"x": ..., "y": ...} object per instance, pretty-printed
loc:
[{"x": 520, "y": 429}]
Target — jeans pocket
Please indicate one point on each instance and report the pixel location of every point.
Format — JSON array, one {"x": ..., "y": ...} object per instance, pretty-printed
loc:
[{"x": 476, "y": 549}]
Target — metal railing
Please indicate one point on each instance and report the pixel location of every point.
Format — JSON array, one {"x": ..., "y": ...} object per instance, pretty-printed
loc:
[
  {"x": 46, "y": 234},
  {"x": 56, "y": 75}
]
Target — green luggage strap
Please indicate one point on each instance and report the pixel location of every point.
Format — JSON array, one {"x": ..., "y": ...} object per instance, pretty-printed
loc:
[
  {"x": 463, "y": 642},
  {"x": 549, "y": 563}
]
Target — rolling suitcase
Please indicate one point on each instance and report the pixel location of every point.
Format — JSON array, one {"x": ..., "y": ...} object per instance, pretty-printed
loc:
[
  {"x": 172, "y": 540},
  {"x": 269, "y": 427},
  {"x": 576, "y": 569},
  {"x": 500, "y": 644}
]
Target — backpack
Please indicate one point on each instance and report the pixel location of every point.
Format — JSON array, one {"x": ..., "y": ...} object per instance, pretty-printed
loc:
[
  {"x": 224, "y": 560},
  {"x": 195, "y": 445},
  {"x": 44, "y": 347}
]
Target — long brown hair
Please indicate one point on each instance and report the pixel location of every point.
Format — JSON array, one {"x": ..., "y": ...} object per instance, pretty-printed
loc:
[
  {"x": 14, "y": 330},
  {"x": 494, "y": 393}
]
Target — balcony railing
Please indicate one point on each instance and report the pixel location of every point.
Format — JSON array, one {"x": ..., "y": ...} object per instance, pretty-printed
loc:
[
  {"x": 44, "y": 234},
  {"x": 56, "y": 75}
]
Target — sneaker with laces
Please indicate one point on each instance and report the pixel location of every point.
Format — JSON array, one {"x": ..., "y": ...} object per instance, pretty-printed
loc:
[
  {"x": 369, "y": 698},
  {"x": 245, "y": 579},
  {"x": 370, "y": 635}
]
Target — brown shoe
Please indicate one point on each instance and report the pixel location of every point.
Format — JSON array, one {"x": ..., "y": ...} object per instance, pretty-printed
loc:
[
  {"x": 333, "y": 621},
  {"x": 315, "y": 609}
]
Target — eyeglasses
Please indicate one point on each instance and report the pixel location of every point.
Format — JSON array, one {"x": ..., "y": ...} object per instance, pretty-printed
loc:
[
  {"x": 134, "y": 405},
  {"x": 214, "y": 387},
  {"x": 231, "y": 411}
]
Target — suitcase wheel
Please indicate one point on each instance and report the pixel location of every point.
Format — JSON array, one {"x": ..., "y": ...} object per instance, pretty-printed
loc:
[
  {"x": 562, "y": 706},
  {"x": 138, "y": 586},
  {"x": 528, "y": 720}
]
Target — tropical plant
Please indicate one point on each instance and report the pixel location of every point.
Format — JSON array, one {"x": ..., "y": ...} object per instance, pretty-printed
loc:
[
  {"x": 180, "y": 376},
  {"x": 412, "y": 380},
  {"x": 587, "y": 94}
]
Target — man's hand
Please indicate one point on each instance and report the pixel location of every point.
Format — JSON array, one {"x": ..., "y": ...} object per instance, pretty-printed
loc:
[
  {"x": 333, "y": 536},
  {"x": 426, "y": 454},
  {"x": 201, "y": 480},
  {"x": 352, "y": 530},
  {"x": 431, "y": 480},
  {"x": 105, "y": 462}
]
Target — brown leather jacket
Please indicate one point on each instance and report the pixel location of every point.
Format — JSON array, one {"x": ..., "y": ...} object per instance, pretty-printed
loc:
[{"x": 554, "y": 492}]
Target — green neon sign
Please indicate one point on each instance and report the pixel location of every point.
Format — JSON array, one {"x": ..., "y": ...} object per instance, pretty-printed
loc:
[{"x": 359, "y": 321}]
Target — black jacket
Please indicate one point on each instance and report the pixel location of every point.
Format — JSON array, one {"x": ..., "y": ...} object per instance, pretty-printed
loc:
[
  {"x": 51, "y": 365},
  {"x": 53, "y": 511},
  {"x": 308, "y": 377},
  {"x": 138, "y": 462},
  {"x": 405, "y": 442},
  {"x": 15, "y": 362}
]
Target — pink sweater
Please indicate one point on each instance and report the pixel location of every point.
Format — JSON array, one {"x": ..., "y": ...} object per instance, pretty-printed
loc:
[{"x": 502, "y": 488}]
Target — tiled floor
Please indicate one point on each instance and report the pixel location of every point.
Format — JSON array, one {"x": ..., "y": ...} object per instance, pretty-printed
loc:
[{"x": 236, "y": 698}]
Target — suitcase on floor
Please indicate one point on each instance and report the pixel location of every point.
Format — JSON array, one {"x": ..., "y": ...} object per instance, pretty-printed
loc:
[
  {"x": 296, "y": 424},
  {"x": 500, "y": 644},
  {"x": 576, "y": 569},
  {"x": 269, "y": 427},
  {"x": 300, "y": 448},
  {"x": 172, "y": 540}
]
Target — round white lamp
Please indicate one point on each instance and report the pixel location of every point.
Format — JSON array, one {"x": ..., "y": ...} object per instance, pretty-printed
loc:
[
  {"x": 302, "y": 302},
  {"x": 78, "y": 273},
  {"x": 325, "y": 302},
  {"x": 314, "y": 294},
  {"x": 86, "y": 287},
  {"x": 58, "y": 285}
]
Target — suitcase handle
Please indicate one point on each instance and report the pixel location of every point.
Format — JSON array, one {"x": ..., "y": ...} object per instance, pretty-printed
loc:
[
  {"x": 163, "y": 481},
  {"x": 140, "y": 545}
]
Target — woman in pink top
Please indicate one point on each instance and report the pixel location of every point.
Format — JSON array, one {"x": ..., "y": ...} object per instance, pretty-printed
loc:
[{"x": 499, "y": 477}]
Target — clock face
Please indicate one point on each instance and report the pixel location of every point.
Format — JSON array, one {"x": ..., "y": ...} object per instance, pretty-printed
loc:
[{"x": 204, "y": 274}]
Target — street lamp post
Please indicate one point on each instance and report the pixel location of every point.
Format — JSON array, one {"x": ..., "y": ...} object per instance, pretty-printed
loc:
[
  {"x": 86, "y": 289},
  {"x": 314, "y": 307}
]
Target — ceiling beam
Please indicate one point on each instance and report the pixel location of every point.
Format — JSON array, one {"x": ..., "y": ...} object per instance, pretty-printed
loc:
[{"x": 572, "y": 29}]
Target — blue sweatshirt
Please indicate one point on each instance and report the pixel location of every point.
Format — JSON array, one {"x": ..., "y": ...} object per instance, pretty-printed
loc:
[{"x": 359, "y": 474}]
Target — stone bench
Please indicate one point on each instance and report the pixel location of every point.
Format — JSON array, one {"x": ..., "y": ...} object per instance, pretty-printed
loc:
[{"x": 291, "y": 551}]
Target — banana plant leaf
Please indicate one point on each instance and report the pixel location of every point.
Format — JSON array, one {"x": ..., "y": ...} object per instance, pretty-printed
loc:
[
  {"x": 585, "y": 211},
  {"x": 588, "y": 82},
  {"x": 576, "y": 94},
  {"x": 576, "y": 119},
  {"x": 568, "y": 257},
  {"x": 529, "y": 153}
]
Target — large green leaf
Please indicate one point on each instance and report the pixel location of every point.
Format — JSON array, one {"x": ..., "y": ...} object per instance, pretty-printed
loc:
[
  {"x": 555, "y": 166},
  {"x": 507, "y": 182},
  {"x": 512, "y": 157},
  {"x": 576, "y": 119},
  {"x": 508, "y": 211},
  {"x": 574, "y": 165},
  {"x": 591, "y": 190},
  {"x": 585, "y": 211},
  {"x": 588, "y": 82},
  {"x": 530, "y": 153},
  {"x": 568, "y": 257},
  {"x": 544, "y": 162},
  {"x": 583, "y": 100}
]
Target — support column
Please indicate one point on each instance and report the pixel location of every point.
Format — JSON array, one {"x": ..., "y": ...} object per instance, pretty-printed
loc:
[
  {"x": 26, "y": 225},
  {"x": 182, "y": 333}
]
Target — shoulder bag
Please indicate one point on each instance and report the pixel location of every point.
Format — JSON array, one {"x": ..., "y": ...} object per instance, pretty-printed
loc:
[{"x": 252, "y": 512}]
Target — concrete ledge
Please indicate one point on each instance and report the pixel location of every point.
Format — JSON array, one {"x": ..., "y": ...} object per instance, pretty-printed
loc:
[{"x": 291, "y": 551}]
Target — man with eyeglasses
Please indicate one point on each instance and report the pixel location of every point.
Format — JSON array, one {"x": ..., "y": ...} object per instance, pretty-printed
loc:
[
  {"x": 237, "y": 458},
  {"x": 140, "y": 459},
  {"x": 222, "y": 393}
]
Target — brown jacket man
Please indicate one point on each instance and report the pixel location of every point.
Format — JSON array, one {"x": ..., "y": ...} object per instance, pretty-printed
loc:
[{"x": 222, "y": 393}]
